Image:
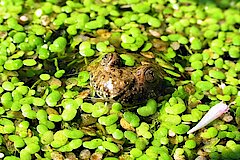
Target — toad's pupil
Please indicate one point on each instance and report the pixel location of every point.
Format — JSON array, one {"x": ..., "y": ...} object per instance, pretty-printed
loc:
[{"x": 149, "y": 75}]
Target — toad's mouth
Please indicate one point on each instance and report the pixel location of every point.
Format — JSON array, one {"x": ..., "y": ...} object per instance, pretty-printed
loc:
[
  {"x": 115, "y": 90},
  {"x": 124, "y": 92}
]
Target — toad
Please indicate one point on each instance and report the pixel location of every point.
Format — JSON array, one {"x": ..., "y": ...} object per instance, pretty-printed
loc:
[{"x": 112, "y": 80}]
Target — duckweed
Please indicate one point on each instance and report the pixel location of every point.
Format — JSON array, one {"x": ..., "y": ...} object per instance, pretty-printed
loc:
[
  {"x": 175, "y": 109},
  {"x": 170, "y": 119},
  {"x": 13, "y": 64},
  {"x": 55, "y": 118},
  {"x": 136, "y": 152},
  {"x": 204, "y": 85},
  {"x": 32, "y": 148},
  {"x": 128, "y": 59},
  {"x": 8, "y": 86},
  {"x": 48, "y": 110},
  {"x": 59, "y": 73},
  {"x": 17, "y": 140},
  {"x": 141, "y": 7},
  {"x": 19, "y": 37},
  {"x": 58, "y": 45},
  {"x": 131, "y": 118},
  {"x": 87, "y": 107},
  {"x": 110, "y": 146},
  {"x": 131, "y": 136},
  {"x": 86, "y": 51},
  {"x": 53, "y": 98},
  {"x": 73, "y": 133},
  {"x": 142, "y": 130},
  {"x": 190, "y": 144},
  {"x": 116, "y": 107},
  {"x": 117, "y": 134},
  {"x": 29, "y": 62},
  {"x": 67, "y": 114},
  {"x": 93, "y": 144},
  {"x": 149, "y": 109},
  {"x": 59, "y": 139},
  {"x": 180, "y": 129},
  {"x": 38, "y": 101},
  {"x": 43, "y": 53},
  {"x": 47, "y": 137},
  {"x": 211, "y": 132},
  {"x": 44, "y": 77},
  {"x": 111, "y": 129},
  {"x": 99, "y": 109},
  {"x": 108, "y": 120},
  {"x": 216, "y": 74}
]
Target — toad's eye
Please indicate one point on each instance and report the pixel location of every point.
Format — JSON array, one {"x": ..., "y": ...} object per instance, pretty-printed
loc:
[
  {"x": 150, "y": 75},
  {"x": 107, "y": 58},
  {"x": 111, "y": 59}
]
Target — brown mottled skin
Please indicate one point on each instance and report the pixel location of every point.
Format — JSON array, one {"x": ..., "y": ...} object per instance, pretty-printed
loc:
[{"x": 128, "y": 85}]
